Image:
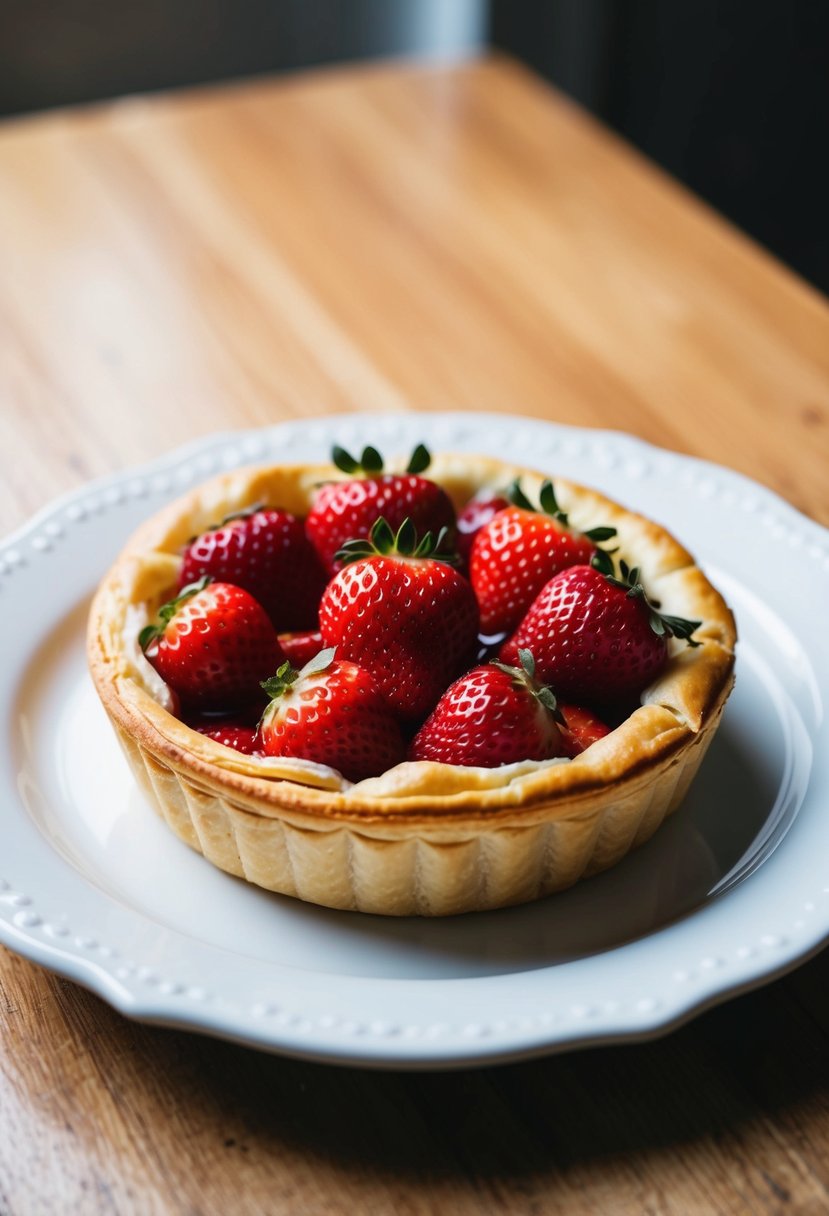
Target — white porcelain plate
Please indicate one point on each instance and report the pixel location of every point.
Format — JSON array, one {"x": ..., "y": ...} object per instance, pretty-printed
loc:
[{"x": 733, "y": 890}]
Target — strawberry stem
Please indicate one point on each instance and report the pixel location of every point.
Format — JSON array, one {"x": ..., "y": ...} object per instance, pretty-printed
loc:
[{"x": 525, "y": 676}]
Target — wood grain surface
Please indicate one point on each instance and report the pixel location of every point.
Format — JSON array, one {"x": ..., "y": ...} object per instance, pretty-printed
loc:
[{"x": 400, "y": 237}]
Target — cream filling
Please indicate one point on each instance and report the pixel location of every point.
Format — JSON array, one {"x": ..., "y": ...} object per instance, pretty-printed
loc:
[{"x": 142, "y": 670}]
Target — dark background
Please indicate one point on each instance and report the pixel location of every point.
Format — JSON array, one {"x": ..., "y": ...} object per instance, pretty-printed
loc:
[{"x": 730, "y": 96}]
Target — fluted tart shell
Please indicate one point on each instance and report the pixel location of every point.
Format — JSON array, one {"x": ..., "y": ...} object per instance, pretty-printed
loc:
[{"x": 424, "y": 838}]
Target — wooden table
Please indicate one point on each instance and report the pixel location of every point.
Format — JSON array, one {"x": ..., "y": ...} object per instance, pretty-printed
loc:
[{"x": 392, "y": 238}]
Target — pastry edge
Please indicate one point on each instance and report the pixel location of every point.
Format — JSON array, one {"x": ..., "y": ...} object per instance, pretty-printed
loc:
[{"x": 564, "y": 821}]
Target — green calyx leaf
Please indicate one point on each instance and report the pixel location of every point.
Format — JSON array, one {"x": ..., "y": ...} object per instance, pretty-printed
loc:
[
  {"x": 419, "y": 460},
  {"x": 515, "y": 672},
  {"x": 286, "y": 675},
  {"x": 525, "y": 657},
  {"x": 548, "y": 503},
  {"x": 381, "y": 536},
  {"x": 662, "y": 624},
  {"x": 322, "y": 659},
  {"x": 276, "y": 685},
  {"x": 147, "y": 634},
  {"x": 383, "y": 542},
  {"x": 344, "y": 461},
  {"x": 167, "y": 611},
  {"x": 369, "y": 464},
  {"x": 548, "y": 698},
  {"x": 603, "y": 562},
  {"x": 371, "y": 460},
  {"x": 526, "y": 678},
  {"x": 600, "y": 534},
  {"x": 517, "y": 496},
  {"x": 679, "y": 627}
]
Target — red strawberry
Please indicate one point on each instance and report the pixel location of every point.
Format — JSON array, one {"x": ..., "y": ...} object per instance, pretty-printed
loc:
[
  {"x": 347, "y": 510},
  {"x": 407, "y": 617},
  {"x": 232, "y": 734},
  {"x": 516, "y": 553},
  {"x": 491, "y": 716},
  {"x": 580, "y": 728},
  {"x": 332, "y": 713},
  {"x": 266, "y": 552},
  {"x": 597, "y": 638},
  {"x": 299, "y": 648},
  {"x": 213, "y": 645},
  {"x": 477, "y": 512}
]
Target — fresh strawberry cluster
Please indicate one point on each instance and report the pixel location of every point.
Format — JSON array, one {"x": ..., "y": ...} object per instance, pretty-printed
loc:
[{"x": 384, "y": 627}]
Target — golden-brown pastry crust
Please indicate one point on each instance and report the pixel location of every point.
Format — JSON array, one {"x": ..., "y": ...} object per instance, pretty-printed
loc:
[{"x": 422, "y": 838}]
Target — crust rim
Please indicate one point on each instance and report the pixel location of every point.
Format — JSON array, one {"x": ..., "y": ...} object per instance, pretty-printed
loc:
[{"x": 643, "y": 760}]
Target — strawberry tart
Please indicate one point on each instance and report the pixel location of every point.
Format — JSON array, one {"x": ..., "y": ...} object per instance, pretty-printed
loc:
[{"x": 446, "y": 687}]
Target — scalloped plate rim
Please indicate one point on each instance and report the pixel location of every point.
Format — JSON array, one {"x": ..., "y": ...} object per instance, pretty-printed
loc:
[{"x": 132, "y": 1002}]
